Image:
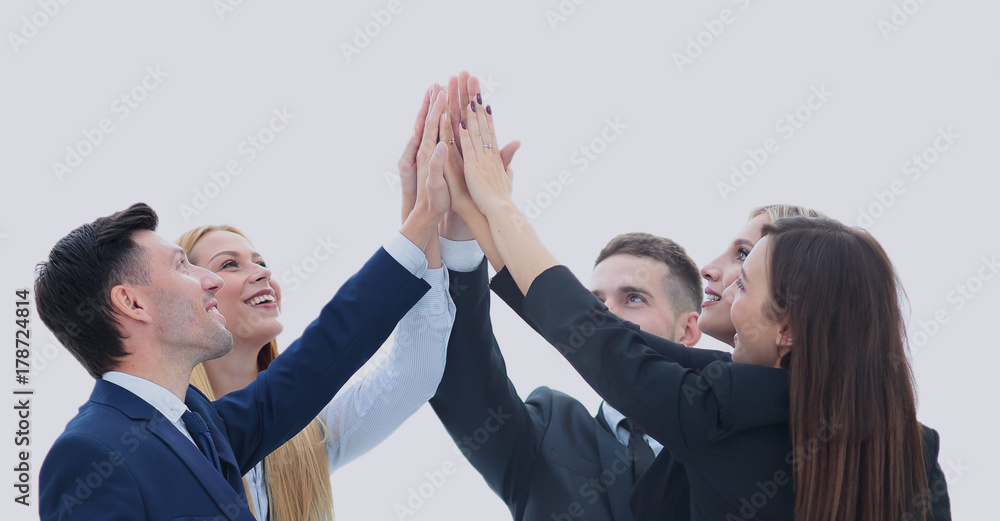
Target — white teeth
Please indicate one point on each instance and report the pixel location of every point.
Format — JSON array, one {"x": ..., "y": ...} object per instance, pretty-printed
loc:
[
  {"x": 259, "y": 299},
  {"x": 712, "y": 297},
  {"x": 214, "y": 310}
]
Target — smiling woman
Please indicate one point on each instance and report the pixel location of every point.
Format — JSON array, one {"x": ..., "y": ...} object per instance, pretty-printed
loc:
[
  {"x": 293, "y": 481},
  {"x": 249, "y": 300}
]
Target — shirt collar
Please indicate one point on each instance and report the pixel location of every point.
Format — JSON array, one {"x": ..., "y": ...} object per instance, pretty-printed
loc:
[
  {"x": 611, "y": 415},
  {"x": 161, "y": 399}
]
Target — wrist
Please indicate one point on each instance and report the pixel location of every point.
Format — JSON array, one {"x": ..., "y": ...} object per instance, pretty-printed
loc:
[
  {"x": 454, "y": 227},
  {"x": 420, "y": 226},
  {"x": 500, "y": 209}
]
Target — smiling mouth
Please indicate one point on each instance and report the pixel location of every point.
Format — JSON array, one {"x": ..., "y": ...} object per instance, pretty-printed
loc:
[
  {"x": 712, "y": 298},
  {"x": 260, "y": 299}
]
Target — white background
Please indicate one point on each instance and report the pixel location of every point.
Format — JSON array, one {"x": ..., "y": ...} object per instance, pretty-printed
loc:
[{"x": 553, "y": 85}]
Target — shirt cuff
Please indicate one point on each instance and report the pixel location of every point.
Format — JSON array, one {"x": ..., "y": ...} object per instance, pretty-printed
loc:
[
  {"x": 435, "y": 301},
  {"x": 407, "y": 254},
  {"x": 464, "y": 256}
]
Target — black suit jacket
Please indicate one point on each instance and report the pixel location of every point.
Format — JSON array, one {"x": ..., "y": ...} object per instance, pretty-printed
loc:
[
  {"x": 546, "y": 457},
  {"x": 726, "y": 422}
]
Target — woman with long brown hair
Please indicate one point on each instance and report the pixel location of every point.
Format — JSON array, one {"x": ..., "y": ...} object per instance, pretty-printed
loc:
[{"x": 814, "y": 417}]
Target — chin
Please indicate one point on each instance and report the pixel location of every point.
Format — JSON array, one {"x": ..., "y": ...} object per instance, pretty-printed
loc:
[{"x": 722, "y": 334}]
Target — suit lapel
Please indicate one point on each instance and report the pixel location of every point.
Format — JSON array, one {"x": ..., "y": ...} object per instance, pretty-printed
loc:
[
  {"x": 614, "y": 457},
  {"x": 223, "y": 493}
]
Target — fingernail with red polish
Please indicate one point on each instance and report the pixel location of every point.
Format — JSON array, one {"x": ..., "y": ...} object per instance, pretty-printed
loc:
[
  {"x": 489, "y": 110},
  {"x": 473, "y": 105},
  {"x": 479, "y": 98},
  {"x": 463, "y": 124}
]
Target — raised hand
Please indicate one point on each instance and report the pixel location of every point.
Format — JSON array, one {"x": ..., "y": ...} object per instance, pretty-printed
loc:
[
  {"x": 429, "y": 188},
  {"x": 408, "y": 161},
  {"x": 485, "y": 174}
]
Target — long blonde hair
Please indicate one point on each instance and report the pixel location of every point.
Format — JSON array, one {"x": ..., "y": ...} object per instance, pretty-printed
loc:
[{"x": 297, "y": 474}]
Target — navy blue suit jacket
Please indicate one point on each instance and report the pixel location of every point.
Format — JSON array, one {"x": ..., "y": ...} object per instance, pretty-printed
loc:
[{"x": 120, "y": 459}]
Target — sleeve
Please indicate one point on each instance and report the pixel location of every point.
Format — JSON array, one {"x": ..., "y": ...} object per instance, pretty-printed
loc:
[
  {"x": 937, "y": 484},
  {"x": 692, "y": 358},
  {"x": 407, "y": 254},
  {"x": 364, "y": 414},
  {"x": 64, "y": 496},
  {"x": 682, "y": 408},
  {"x": 463, "y": 256},
  {"x": 299, "y": 383},
  {"x": 477, "y": 403}
]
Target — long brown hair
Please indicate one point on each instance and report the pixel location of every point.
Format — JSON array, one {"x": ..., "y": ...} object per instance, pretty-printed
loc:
[
  {"x": 297, "y": 474},
  {"x": 853, "y": 406}
]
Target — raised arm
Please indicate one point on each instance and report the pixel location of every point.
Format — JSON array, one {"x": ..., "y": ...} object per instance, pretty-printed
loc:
[
  {"x": 476, "y": 401},
  {"x": 350, "y": 328},
  {"x": 691, "y": 358},
  {"x": 682, "y": 408},
  {"x": 383, "y": 396},
  {"x": 365, "y": 413}
]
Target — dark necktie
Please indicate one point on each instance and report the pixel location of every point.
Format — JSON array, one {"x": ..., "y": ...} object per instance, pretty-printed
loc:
[
  {"x": 202, "y": 438},
  {"x": 641, "y": 451}
]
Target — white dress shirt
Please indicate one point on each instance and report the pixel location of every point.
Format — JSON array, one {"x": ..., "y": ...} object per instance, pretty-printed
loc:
[
  {"x": 394, "y": 384},
  {"x": 160, "y": 398},
  {"x": 615, "y": 418}
]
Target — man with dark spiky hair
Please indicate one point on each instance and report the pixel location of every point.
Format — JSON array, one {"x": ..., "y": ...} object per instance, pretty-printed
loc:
[{"x": 139, "y": 317}]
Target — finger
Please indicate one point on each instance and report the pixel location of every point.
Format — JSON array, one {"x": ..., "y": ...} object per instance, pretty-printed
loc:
[
  {"x": 475, "y": 136},
  {"x": 430, "y": 136},
  {"x": 484, "y": 128},
  {"x": 484, "y": 131},
  {"x": 454, "y": 108},
  {"x": 408, "y": 161},
  {"x": 435, "y": 174},
  {"x": 437, "y": 187},
  {"x": 465, "y": 137},
  {"x": 507, "y": 153},
  {"x": 447, "y": 130},
  {"x": 422, "y": 114},
  {"x": 463, "y": 89}
]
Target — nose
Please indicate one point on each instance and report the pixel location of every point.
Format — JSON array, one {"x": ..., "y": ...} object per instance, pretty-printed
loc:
[
  {"x": 260, "y": 273},
  {"x": 209, "y": 280},
  {"x": 711, "y": 271}
]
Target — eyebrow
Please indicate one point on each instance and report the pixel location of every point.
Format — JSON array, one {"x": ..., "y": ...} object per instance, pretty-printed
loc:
[
  {"x": 633, "y": 289},
  {"x": 176, "y": 252},
  {"x": 742, "y": 242},
  {"x": 253, "y": 254}
]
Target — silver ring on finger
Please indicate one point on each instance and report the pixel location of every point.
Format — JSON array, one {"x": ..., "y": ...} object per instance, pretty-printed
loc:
[
  {"x": 488, "y": 145},
  {"x": 451, "y": 141}
]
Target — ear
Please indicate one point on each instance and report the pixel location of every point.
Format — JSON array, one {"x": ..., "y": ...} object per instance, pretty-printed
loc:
[
  {"x": 785, "y": 339},
  {"x": 686, "y": 329},
  {"x": 126, "y": 301}
]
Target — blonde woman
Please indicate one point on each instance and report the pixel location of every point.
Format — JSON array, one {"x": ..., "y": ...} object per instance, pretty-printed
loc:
[{"x": 292, "y": 483}]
